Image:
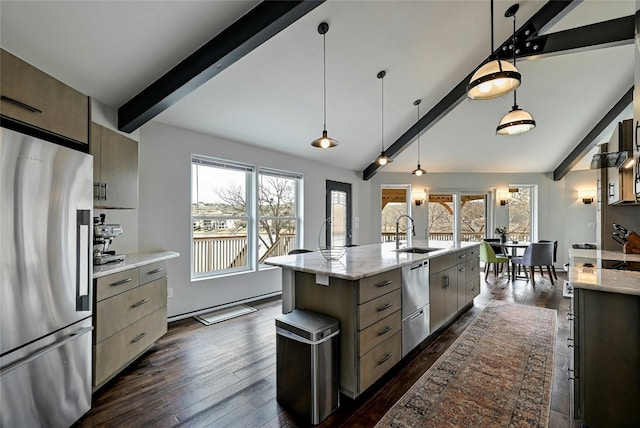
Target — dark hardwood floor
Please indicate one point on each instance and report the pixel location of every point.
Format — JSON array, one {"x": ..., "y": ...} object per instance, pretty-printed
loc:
[{"x": 223, "y": 375}]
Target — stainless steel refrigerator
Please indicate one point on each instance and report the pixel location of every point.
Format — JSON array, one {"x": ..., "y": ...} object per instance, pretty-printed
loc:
[{"x": 45, "y": 277}]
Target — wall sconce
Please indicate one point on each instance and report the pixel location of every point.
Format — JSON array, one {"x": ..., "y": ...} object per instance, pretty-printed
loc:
[
  {"x": 418, "y": 197},
  {"x": 587, "y": 196},
  {"x": 504, "y": 197}
]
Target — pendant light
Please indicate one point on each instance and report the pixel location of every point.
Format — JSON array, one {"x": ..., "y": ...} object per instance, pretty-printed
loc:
[
  {"x": 324, "y": 142},
  {"x": 517, "y": 121},
  {"x": 495, "y": 78},
  {"x": 383, "y": 159},
  {"x": 418, "y": 171}
]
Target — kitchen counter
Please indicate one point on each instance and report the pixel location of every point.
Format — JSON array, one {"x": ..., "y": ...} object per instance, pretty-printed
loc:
[
  {"x": 364, "y": 261},
  {"x": 132, "y": 261},
  {"x": 599, "y": 279}
]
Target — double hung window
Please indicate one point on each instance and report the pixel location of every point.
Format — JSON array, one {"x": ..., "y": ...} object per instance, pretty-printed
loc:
[{"x": 241, "y": 214}]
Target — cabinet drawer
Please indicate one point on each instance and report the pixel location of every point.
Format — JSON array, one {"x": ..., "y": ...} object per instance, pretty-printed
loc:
[
  {"x": 443, "y": 262},
  {"x": 472, "y": 268},
  {"x": 116, "y": 283},
  {"x": 153, "y": 271},
  {"x": 42, "y": 101},
  {"x": 119, "y": 311},
  {"x": 377, "y": 333},
  {"x": 377, "y": 285},
  {"x": 473, "y": 288},
  {"x": 374, "y": 310},
  {"x": 379, "y": 360},
  {"x": 114, "y": 353},
  {"x": 473, "y": 252}
]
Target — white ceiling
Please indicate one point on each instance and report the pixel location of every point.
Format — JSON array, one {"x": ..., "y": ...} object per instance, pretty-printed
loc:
[{"x": 272, "y": 97}]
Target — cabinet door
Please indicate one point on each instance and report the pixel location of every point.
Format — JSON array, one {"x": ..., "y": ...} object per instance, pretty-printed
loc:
[
  {"x": 461, "y": 294},
  {"x": 451, "y": 293},
  {"x": 118, "y": 171},
  {"x": 437, "y": 291},
  {"x": 33, "y": 97},
  {"x": 94, "y": 149}
]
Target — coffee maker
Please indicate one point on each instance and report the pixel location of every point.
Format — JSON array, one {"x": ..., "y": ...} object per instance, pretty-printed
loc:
[{"x": 103, "y": 235}]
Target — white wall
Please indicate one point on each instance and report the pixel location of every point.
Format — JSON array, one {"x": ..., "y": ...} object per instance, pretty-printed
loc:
[
  {"x": 561, "y": 216},
  {"x": 165, "y": 209}
]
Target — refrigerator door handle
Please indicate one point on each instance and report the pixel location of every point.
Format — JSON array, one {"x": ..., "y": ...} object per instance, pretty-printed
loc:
[
  {"x": 83, "y": 262},
  {"x": 45, "y": 350}
]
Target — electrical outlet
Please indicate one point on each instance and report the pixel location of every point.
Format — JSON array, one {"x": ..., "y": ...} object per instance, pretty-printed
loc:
[{"x": 169, "y": 293}]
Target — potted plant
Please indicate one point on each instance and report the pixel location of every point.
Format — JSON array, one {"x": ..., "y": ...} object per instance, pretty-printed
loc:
[{"x": 502, "y": 231}]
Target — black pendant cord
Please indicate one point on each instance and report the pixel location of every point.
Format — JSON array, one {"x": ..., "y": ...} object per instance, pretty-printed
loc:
[
  {"x": 491, "y": 27},
  {"x": 324, "y": 72},
  {"x": 382, "y": 114},
  {"x": 513, "y": 50},
  {"x": 418, "y": 104}
]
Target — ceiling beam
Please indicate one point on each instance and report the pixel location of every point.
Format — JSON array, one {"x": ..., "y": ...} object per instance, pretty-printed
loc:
[
  {"x": 590, "y": 141},
  {"x": 546, "y": 16},
  {"x": 614, "y": 32},
  {"x": 254, "y": 28}
]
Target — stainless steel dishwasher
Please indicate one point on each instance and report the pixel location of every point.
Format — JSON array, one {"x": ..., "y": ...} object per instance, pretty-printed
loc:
[{"x": 415, "y": 305}]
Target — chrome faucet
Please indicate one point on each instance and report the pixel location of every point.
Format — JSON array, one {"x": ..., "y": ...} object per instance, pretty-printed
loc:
[{"x": 413, "y": 229}]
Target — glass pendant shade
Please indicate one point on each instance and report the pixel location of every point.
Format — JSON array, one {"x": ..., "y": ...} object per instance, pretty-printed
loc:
[
  {"x": 324, "y": 142},
  {"x": 515, "y": 122},
  {"x": 494, "y": 79}
]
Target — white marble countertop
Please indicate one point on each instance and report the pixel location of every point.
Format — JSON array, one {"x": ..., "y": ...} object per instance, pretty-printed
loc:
[
  {"x": 132, "y": 261},
  {"x": 364, "y": 260},
  {"x": 609, "y": 280},
  {"x": 603, "y": 255}
]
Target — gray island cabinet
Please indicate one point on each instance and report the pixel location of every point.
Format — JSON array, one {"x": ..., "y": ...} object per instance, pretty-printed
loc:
[
  {"x": 604, "y": 372},
  {"x": 363, "y": 291}
]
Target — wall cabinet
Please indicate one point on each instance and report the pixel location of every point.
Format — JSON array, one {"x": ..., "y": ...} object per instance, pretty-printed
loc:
[
  {"x": 620, "y": 182},
  {"x": 130, "y": 314},
  {"x": 606, "y": 350},
  {"x": 369, "y": 312},
  {"x": 115, "y": 168},
  {"x": 34, "y": 98}
]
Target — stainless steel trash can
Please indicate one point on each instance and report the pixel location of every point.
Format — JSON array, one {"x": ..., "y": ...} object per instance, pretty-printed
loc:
[{"x": 307, "y": 364}]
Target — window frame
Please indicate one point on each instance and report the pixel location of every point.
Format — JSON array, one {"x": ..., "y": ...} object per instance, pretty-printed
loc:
[
  {"x": 252, "y": 216},
  {"x": 297, "y": 217}
]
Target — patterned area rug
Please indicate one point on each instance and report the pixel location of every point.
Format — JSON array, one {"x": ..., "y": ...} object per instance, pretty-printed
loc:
[{"x": 498, "y": 373}]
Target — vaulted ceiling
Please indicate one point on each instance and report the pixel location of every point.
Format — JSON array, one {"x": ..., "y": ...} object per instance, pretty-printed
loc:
[{"x": 272, "y": 96}]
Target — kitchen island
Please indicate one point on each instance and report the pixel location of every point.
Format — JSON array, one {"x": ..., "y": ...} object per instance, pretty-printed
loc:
[
  {"x": 605, "y": 338},
  {"x": 364, "y": 292}
]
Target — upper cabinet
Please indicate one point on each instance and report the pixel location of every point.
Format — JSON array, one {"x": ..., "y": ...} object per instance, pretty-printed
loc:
[
  {"x": 34, "y": 98},
  {"x": 115, "y": 168},
  {"x": 620, "y": 181}
]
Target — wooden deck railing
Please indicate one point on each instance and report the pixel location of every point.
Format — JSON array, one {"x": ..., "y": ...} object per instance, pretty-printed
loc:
[{"x": 215, "y": 253}]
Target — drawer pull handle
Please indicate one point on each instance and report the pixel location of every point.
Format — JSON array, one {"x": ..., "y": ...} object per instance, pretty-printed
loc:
[
  {"x": 462, "y": 256},
  {"x": 417, "y": 314},
  {"x": 155, "y": 271},
  {"x": 384, "y": 307},
  {"x": 385, "y": 330},
  {"x": 384, "y": 284},
  {"x": 124, "y": 281},
  {"x": 21, "y": 104},
  {"x": 461, "y": 269},
  {"x": 140, "y": 303},
  {"x": 382, "y": 361},
  {"x": 138, "y": 337}
]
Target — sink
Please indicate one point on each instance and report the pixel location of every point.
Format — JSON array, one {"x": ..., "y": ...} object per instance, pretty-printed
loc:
[{"x": 417, "y": 250}]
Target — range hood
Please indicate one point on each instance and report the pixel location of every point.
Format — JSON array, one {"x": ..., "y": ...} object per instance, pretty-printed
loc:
[
  {"x": 608, "y": 160},
  {"x": 618, "y": 149}
]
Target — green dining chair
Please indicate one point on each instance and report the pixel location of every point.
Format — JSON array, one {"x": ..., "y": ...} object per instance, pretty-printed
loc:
[{"x": 489, "y": 257}]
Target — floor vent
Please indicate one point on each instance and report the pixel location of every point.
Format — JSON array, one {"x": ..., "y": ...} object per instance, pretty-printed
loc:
[{"x": 224, "y": 314}]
